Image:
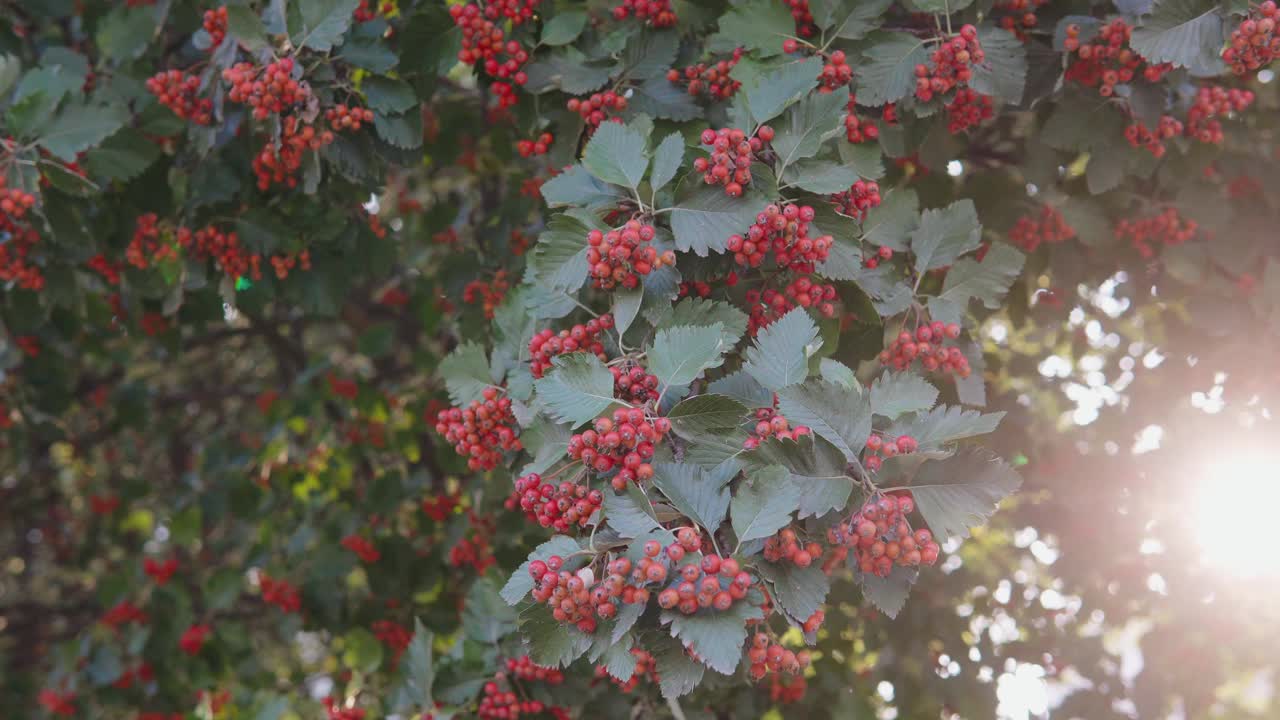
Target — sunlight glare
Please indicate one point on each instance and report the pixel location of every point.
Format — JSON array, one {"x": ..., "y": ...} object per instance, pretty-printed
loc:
[{"x": 1235, "y": 513}]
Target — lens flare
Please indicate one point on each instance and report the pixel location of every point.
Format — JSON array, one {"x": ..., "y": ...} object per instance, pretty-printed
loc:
[{"x": 1236, "y": 512}]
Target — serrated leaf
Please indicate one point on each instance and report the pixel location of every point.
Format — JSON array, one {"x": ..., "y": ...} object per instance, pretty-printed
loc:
[
  {"x": 704, "y": 218},
  {"x": 678, "y": 673},
  {"x": 1003, "y": 72},
  {"x": 567, "y": 69},
  {"x": 763, "y": 503},
  {"x": 388, "y": 95},
  {"x": 486, "y": 618},
  {"x": 988, "y": 281},
  {"x": 123, "y": 156},
  {"x": 945, "y": 424},
  {"x": 808, "y": 124},
  {"x": 247, "y": 27},
  {"x": 626, "y": 306},
  {"x": 838, "y": 414},
  {"x": 578, "y": 187},
  {"x": 666, "y": 160},
  {"x": 693, "y": 492},
  {"x": 771, "y": 94},
  {"x": 419, "y": 668},
  {"x": 322, "y": 23},
  {"x": 779, "y": 356},
  {"x": 546, "y": 441},
  {"x": 945, "y": 234},
  {"x": 520, "y": 583},
  {"x": 839, "y": 373},
  {"x": 817, "y": 469},
  {"x": 887, "y": 73},
  {"x": 80, "y": 127},
  {"x": 560, "y": 258},
  {"x": 824, "y": 177},
  {"x": 403, "y": 130},
  {"x": 650, "y": 54},
  {"x": 661, "y": 98},
  {"x": 679, "y": 355},
  {"x": 616, "y": 154},
  {"x": 619, "y": 662},
  {"x": 125, "y": 32},
  {"x": 368, "y": 53},
  {"x": 889, "y": 594},
  {"x": 577, "y": 388},
  {"x": 848, "y": 19},
  {"x": 10, "y": 71},
  {"x": 891, "y": 224},
  {"x": 800, "y": 591},
  {"x": 1186, "y": 33},
  {"x": 716, "y": 637},
  {"x": 629, "y": 513},
  {"x": 563, "y": 28},
  {"x": 759, "y": 25},
  {"x": 699, "y": 311},
  {"x": 551, "y": 643},
  {"x": 894, "y": 394},
  {"x": 704, "y": 413},
  {"x": 466, "y": 373},
  {"x": 745, "y": 389},
  {"x": 962, "y": 491},
  {"x": 865, "y": 158},
  {"x": 972, "y": 390}
]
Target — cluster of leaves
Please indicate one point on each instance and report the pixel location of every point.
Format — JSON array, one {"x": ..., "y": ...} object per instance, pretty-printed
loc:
[{"x": 275, "y": 432}]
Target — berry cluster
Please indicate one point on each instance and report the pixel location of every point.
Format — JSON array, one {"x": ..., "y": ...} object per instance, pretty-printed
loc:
[
  {"x": 529, "y": 148},
  {"x": 730, "y": 161},
  {"x": 215, "y": 23},
  {"x": 952, "y": 64},
  {"x": 769, "y": 423},
  {"x": 280, "y": 593},
  {"x": 489, "y": 294},
  {"x": 577, "y": 599},
  {"x": 858, "y": 199},
  {"x": 149, "y": 246},
  {"x": 395, "y": 636},
  {"x": 879, "y": 448},
  {"x": 193, "y": 639},
  {"x": 484, "y": 43},
  {"x": 283, "y": 264},
  {"x": 597, "y": 108},
  {"x": 22, "y": 238},
  {"x": 620, "y": 257},
  {"x": 279, "y": 163},
  {"x": 523, "y": 668},
  {"x": 500, "y": 701},
  {"x": 786, "y": 546},
  {"x": 178, "y": 92},
  {"x": 785, "y": 231},
  {"x": 625, "y": 441},
  {"x": 787, "y": 689},
  {"x": 926, "y": 346},
  {"x": 475, "y": 552},
  {"x": 633, "y": 385},
  {"x": 482, "y": 431},
  {"x": 968, "y": 109},
  {"x": 711, "y": 80},
  {"x": 1018, "y": 16},
  {"x": 765, "y": 306},
  {"x": 836, "y": 72},
  {"x": 121, "y": 614},
  {"x": 1106, "y": 60},
  {"x": 362, "y": 547},
  {"x": 657, "y": 13},
  {"x": 1165, "y": 228},
  {"x": 1253, "y": 43},
  {"x": 108, "y": 270},
  {"x": 767, "y": 656},
  {"x": 562, "y": 507},
  {"x": 1140, "y": 136},
  {"x": 29, "y": 344},
  {"x": 546, "y": 344},
  {"x": 160, "y": 572},
  {"x": 341, "y": 117},
  {"x": 368, "y": 10},
  {"x": 713, "y": 582},
  {"x": 1210, "y": 104},
  {"x": 879, "y": 536},
  {"x": 882, "y": 254},
  {"x": 1046, "y": 226},
  {"x": 804, "y": 18},
  {"x": 646, "y": 667},
  {"x": 858, "y": 130},
  {"x": 268, "y": 90}
]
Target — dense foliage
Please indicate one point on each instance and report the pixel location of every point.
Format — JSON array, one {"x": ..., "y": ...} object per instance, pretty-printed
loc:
[{"x": 631, "y": 358}]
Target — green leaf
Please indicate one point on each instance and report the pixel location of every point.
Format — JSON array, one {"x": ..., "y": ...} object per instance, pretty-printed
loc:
[
  {"x": 10, "y": 71},
  {"x": 578, "y": 187},
  {"x": 560, "y": 258},
  {"x": 745, "y": 389},
  {"x": 759, "y": 25},
  {"x": 563, "y": 28},
  {"x": 124, "y": 156},
  {"x": 962, "y": 491},
  {"x": 362, "y": 651},
  {"x": 824, "y": 177},
  {"x": 809, "y": 123},
  {"x": 678, "y": 674},
  {"x": 618, "y": 660},
  {"x": 567, "y": 69},
  {"x": 626, "y": 306},
  {"x": 650, "y": 54},
  {"x": 716, "y": 637},
  {"x": 369, "y": 53},
  {"x": 577, "y": 389},
  {"x": 987, "y": 281},
  {"x": 661, "y": 98},
  {"x": 666, "y": 160},
  {"x": 838, "y": 414},
  {"x": 770, "y": 94},
  {"x": 817, "y": 469},
  {"x": 865, "y": 158},
  {"x": 403, "y": 131},
  {"x": 848, "y": 19},
  {"x": 80, "y": 127},
  {"x": 945, "y": 424},
  {"x": 547, "y": 442},
  {"x": 779, "y": 356},
  {"x": 889, "y": 594},
  {"x": 704, "y": 218},
  {"x": 486, "y": 618},
  {"x": 698, "y": 311},
  {"x": 617, "y": 154},
  {"x": 551, "y": 643},
  {"x": 1003, "y": 72},
  {"x": 888, "y": 71},
  {"x": 946, "y": 234},
  {"x": 419, "y": 670},
  {"x": 125, "y": 33},
  {"x": 679, "y": 355},
  {"x": 763, "y": 503},
  {"x": 247, "y": 27},
  {"x": 1186, "y": 33},
  {"x": 894, "y": 394},
  {"x": 466, "y": 373},
  {"x": 891, "y": 224},
  {"x": 388, "y": 95},
  {"x": 520, "y": 583},
  {"x": 800, "y": 591},
  {"x": 704, "y": 413},
  {"x": 629, "y": 513},
  {"x": 322, "y": 23},
  {"x": 693, "y": 492},
  {"x": 839, "y": 373}
]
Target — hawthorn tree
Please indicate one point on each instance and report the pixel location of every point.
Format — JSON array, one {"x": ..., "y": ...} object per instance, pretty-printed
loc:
[{"x": 610, "y": 359}]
